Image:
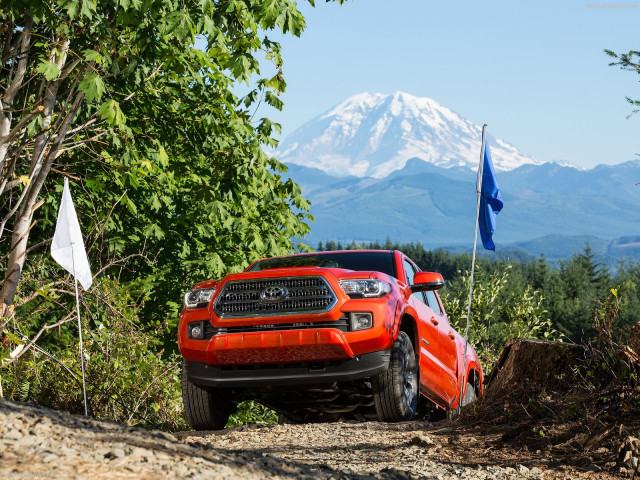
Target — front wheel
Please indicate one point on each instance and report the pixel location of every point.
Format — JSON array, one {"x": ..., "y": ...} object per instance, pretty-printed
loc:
[
  {"x": 205, "y": 408},
  {"x": 395, "y": 391}
]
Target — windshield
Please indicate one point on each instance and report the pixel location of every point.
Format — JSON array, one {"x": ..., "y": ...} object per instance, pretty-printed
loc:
[{"x": 358, "y": 261}]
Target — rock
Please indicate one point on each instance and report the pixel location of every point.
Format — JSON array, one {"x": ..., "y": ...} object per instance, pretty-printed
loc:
[
  {"x": 116, "y": 452},
  {"x": 165, "y": 436},
  {"x": 422, "y": 440},
  {"x": 12, "y": 434},
  {"x": 27, "y": 441},
  {"x": 133, "y": 468},
  {"x": 75, "y": 447},
  {"x": 142, "y": 453},
  {"x": 632, "y": 463},
  {"x": 629, "y": 453},
  {"x": 49, "y": 457}
]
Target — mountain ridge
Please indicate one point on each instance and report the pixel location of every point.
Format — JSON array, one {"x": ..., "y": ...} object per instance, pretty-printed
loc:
[
  {"x": 373, "y": 135},
  {"x": 436, "y": 207}
]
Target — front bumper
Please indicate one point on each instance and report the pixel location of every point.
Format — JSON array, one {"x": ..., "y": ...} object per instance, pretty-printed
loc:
[{"x": 305, "y": 373}]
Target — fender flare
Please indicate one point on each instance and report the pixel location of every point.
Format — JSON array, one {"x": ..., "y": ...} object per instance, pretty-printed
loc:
[
  {"x": 473, "y": 365},
  {"x": 402, "y": 309}
]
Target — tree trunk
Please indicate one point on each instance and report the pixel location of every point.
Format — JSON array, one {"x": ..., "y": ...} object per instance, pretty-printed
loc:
[
  {"x": 12, "y": 88},
  {"x": 44, "y": 153}
]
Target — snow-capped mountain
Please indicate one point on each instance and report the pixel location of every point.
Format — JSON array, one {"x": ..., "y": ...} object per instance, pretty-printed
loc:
[{"x": 371, "y": 134}]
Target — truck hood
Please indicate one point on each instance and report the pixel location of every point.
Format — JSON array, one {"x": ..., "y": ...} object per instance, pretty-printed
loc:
[{"x": 338, "y": 273}]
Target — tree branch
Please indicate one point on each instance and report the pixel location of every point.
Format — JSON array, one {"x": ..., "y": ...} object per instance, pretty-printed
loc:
[
  {"x": 153, "y": 74},
  {"x": 32, "y": 342},
  {"x": 15, "y": 130},
  {"x": 23, "y": 54}
]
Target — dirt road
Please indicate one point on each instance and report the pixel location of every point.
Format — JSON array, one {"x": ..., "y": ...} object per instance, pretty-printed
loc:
[{"x": 43, "y": 443}]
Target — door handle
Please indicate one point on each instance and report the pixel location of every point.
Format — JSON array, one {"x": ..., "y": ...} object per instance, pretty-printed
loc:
[{"x": 434, "y": 321}]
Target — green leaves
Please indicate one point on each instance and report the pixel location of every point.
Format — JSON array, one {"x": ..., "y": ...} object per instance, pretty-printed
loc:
[
  {"x": 85, "y": 8},
  {"x": 241, "y": 66},
  {"x": 497, "y": 314},
  {"x": 178, "y": 24},
  {"x": 273, "y": 100},
  {"x": 163, "y": 158},
  {"x": 49, "y": 69},
  {"x": 88, "y": 8},
  {"x": 110, "y": 111},
  {"x": 92, "y": 56},
  {"x": 93, "y": 87}
]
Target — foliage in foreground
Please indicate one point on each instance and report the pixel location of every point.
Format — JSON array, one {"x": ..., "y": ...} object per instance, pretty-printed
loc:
[
  {"x": 168, "y": 173},
  {"x": 127, "y": 377}
]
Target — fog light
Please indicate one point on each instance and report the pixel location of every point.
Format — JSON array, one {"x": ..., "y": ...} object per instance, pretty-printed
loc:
[
  {"x": 360, "y": 321},
  {"x": 195, "y": 330}
]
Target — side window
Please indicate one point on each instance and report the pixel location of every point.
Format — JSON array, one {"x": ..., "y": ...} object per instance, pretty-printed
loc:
[
  {"x": 408, "y": 268},
  {"x": 432, "y": 301},
  {"x": 411, "y": 271}
]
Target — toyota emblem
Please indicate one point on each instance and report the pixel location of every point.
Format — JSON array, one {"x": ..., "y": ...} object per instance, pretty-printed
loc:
[{"x": 274, "y": 294}]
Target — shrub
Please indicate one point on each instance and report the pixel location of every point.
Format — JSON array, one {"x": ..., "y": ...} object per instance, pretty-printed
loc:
[
  {"x": 127, "y": 377},
  {"x": 496, "y": 314}
]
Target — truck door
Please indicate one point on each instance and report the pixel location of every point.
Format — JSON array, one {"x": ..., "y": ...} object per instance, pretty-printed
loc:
[
  {"x": 428, "y": 335},
  {"x": 448, "y": 383}
]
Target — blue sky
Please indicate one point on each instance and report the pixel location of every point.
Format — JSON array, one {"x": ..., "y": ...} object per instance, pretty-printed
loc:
[{"x": 535, "y": 72}]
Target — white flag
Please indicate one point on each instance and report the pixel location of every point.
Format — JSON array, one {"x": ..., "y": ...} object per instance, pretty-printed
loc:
[{"x": 67, "y": 247}]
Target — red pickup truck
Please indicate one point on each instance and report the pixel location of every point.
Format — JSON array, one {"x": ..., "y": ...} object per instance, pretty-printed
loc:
[{"x": 358, "y": 334}]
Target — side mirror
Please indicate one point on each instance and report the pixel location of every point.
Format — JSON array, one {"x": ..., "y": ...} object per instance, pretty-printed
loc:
[{"x": 426, "y": 281}]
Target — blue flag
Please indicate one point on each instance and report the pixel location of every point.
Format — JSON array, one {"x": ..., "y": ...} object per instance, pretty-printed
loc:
[{"x": 490, "y": 201}]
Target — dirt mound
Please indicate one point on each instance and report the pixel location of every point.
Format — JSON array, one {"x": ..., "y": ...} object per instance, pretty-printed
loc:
[
  {"x": 574, "y": 401},
  {"x": 533, "y": 365}
]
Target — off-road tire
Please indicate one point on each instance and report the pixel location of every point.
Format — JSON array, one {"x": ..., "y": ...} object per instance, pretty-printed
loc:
[
  {"x": 469, "y": 395},
  {"x": 205, "y": 408},
  {"x": 395, "y": 391}
]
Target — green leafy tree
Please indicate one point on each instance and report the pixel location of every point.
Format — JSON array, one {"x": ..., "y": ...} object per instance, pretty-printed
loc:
[{"x": 116, "y": 93}]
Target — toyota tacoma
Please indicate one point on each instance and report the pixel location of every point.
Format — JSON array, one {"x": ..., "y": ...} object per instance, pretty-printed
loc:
[{"x": 323, "y": 336}]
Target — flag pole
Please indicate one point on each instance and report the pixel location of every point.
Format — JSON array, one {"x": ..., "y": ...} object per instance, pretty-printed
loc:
[
  {"x": 84, "y": 388},
  {"x": 473, "y": 264}
]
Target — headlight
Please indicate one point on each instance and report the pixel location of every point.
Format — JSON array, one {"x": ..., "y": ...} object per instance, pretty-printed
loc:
[
  {"x": 365, "y": 288},
  {"x": 198, "y": 298}
]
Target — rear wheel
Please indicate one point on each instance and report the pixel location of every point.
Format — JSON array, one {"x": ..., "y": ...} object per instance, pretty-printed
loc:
[
  {"x": 469, "y": 395},
  {"x": 205, "y": 408},
  {"x": 395, "y": 392}
]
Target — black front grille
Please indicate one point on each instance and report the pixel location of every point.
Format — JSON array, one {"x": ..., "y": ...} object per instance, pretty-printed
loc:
[
  {"x": 341, "y": 324},
  {"x": 242, "y": 298}
]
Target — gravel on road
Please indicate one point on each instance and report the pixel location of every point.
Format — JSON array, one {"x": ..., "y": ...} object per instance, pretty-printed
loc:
[{"x": 39, "y": 442}]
